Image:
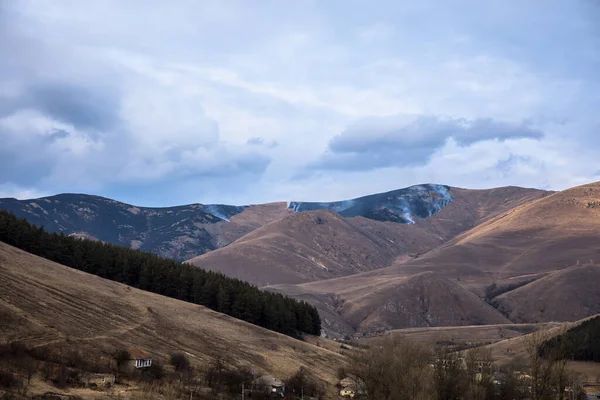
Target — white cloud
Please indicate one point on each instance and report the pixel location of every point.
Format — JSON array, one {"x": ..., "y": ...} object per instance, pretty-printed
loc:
[{"x": 174, "y": 95}]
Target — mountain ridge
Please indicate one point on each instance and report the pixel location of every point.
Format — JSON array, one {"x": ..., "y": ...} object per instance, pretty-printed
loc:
[{"x": 185, "y": 231}]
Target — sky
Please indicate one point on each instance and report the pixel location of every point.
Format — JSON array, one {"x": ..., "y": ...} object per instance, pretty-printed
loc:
[{"x": 160, "y": 103}]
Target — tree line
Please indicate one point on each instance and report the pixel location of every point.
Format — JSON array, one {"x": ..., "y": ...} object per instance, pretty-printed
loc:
[
  {"x": 166, "y": 277},
  {"x": 581, "y": 342}
]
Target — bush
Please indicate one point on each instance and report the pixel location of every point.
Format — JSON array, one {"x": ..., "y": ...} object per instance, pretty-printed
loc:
[
  {"x": 153, "y": 373},
  {"x": 9, "y": 380},
  {"x": 180, "y": 362},
  {"x": 303, "y": 382},
  {"x": 222, "y": 378}
]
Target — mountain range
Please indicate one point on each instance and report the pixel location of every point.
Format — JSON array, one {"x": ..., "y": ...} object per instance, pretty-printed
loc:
[{"x": 427, "y": 255}]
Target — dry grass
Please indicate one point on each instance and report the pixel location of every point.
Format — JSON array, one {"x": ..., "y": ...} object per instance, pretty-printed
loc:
[
  {"x": 475, "y": 334},
  {"x": 533, "y": 237},
  {"x": 316, "y": 245},
  {"x": 46, "y": 304}
]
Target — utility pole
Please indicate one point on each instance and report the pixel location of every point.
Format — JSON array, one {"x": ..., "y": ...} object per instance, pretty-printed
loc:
[
  {"x": 302, "y": 392},
  {"x": 242, "y": 390}
]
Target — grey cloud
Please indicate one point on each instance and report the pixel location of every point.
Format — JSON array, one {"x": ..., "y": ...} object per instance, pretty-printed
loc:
[
  {"x": 229, "y": 165},
  {"x": 505, "y": 166},
  {"x": 83, "y": 107},
  {"x": 258, "y": 141},
  {"x": 411, "y": 140},
  {"x": 100, "y": 147}
]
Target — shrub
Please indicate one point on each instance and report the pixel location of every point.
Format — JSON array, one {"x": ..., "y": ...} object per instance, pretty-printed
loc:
[
  {"x": 121, "y": 357},
  {"x": 180, "y": 362},
  {"x": 153, "y": 373},
  {"x": 303, "y": 382},
  {"x": 9, "y": 380},
  {"x": 220, "y": 377}
]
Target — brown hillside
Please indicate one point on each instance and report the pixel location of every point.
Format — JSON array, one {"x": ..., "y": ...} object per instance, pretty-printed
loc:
[
  {"x": 253, "y": 217},
  {"x": 552, "y": 233},
  {"x": 421, "y": 300},
  {"x": 376, "y": 305},
  {"x": 470, "y": 334},
  {"x": 567, "y": 295},
  {"x": 46, "y": 304},
  {"x": 472, "y": 207},
  {"x": 317, "y": 245}
]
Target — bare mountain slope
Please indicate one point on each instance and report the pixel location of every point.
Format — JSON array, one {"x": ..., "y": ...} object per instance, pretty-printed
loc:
[
  {"x": 548, "y": 234},
  {"x": 316, "y": 245},
  {"x": 525, "y": 243},
  {"x": 567, "y": 295},
  {"x": 422, "y": 300},
  {"x": 187, "y": 231},
  {"x": 175, "y": 232},
  {"x": 44, "y": 303},
  {"x": 471, "y": 207}
]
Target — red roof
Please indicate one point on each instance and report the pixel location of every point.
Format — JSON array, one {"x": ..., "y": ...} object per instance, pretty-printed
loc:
[{"x": 138, "y": 354}]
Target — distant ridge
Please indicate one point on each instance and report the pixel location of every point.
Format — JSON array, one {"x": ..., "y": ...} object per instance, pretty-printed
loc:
[
  {"x": 401, "y": 205},
  {"x": 186, "y": 231}
]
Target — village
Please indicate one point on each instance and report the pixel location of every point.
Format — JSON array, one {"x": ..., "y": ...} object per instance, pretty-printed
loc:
[{"x": 135, "y": 363}]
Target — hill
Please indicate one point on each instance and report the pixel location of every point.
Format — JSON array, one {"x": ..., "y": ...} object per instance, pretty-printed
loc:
[
  {"x": 527, "y": 242},
  {"x": 174, "y": 232},
  {"x": 402, "y": 205},
  {"x": 184, "y": 232},
  {"x": 377, "y": 305},
  {"x": 316, "y": 245},
  {"x": 566, "y": 295},
  {"x": 552, "y": 233},
  {"x": 468, "y": 335},
  {"x": 323, "y": 244},
  {"x": 44, "y": 304},
  {"x": 164, "y": 276}
]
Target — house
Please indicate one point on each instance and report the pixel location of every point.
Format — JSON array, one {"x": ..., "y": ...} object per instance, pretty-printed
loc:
[
  {"x": 139, "y": 358},
  {"x": 347, "y": 382},
  {"x": 348, "y": 388},
  {"x": 347, "y": 392},
  {"x": 268, "y": 384},
  {"x": 499, "y": 377}
]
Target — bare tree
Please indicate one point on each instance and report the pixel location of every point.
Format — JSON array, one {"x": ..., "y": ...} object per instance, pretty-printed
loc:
[
  {"x": 549, "y": 375},
  {"x": 450, "y": 374},
  {"x": 393, "y": 369},
  {"x": 478, "y": 364}
]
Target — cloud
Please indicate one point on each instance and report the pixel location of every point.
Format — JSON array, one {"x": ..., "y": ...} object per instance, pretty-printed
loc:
[
  {"x": 230, "y": 101},
  {"x": 408, "y": 140},
  {"x": 86, "y": 108},
  {"x": 17, "y": 192},
  {"x": 68, "y": 129}
]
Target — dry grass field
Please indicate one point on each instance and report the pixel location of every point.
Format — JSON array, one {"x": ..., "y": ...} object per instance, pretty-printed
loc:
[
  {"x": 46, "y": 304},
  {"x": 474, "y": 334},
  {"x": 553, "y": 240}
]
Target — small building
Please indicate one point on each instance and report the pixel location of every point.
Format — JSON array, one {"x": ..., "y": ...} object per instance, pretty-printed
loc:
[
  {"x": 348, "y": 387},
  {"x": 347, "y": 392},
  {"x": 139, "y": 358},
  {"x": 268, "y": 384},
  {"x": 347, "y": 382}
]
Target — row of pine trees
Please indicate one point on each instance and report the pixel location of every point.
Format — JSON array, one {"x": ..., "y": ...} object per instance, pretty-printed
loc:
[
  {"x": 166, "y": 277},
  {"x": 581, "y": 342}
]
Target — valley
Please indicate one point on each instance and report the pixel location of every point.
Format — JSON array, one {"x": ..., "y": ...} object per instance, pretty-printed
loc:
[{"x": 420, "y": 257}]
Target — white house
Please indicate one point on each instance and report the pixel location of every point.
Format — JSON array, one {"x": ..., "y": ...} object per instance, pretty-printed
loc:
[{"x": 140, "y": 359}]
